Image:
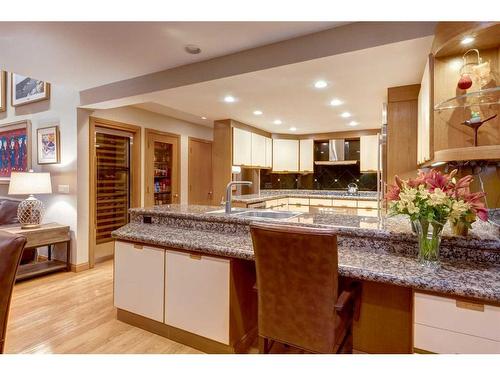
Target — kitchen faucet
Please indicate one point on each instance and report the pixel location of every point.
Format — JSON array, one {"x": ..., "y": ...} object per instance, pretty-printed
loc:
[{"x": 229, "y": 192}]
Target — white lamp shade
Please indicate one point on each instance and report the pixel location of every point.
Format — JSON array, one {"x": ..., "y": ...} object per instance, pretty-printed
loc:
[{"x": 22, "y": 183}]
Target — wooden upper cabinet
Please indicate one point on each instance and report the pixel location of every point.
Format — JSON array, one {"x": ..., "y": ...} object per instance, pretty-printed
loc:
[
  {"x": 242, "y": 147},
  {"x": 369, "y": 153},
  {"x": 258, "y": 148},
  {"x": 306, "y": 160},
  {"x": 285, "y": 155},
  {"x": 269, "y": 152}
]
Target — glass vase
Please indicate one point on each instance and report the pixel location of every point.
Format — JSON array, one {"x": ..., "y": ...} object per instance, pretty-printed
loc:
[{"x": 429, "y": 240}]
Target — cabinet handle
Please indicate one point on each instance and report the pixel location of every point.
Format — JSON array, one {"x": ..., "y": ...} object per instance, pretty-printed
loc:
[
  {"x": 469, "y": 305},
  {"x": 195, "y": 256},
  {"x": 138, "y": 247}
]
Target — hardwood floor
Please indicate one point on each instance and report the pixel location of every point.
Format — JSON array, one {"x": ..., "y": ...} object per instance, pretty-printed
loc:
[{"x": 74, "y": 313}]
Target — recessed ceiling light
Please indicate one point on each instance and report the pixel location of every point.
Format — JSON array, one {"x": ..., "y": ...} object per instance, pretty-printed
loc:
[
  {"x": 320, "y": 84},
  {"x": 277, "y": 122},
  {"x": 353, "y": 123},
  {"x": 192, "y": 49},
  {"x": 293, "y": 128},
  {"x": 203, "y": 118},
  {"x": 467, "y": 40},
  {"x": 345, "y": 114},
  {"x": 229, "y": 99},
  {"x": 257, "y": 113},
  {"x": 336, "y": 102}
]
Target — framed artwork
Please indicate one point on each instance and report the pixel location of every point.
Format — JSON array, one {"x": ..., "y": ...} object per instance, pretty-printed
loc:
[
  {"x": 48, "y": 146},
  {"x": 3, "y": 91},
  {"x": 26, "y": 90},
  {"x": 15, "y": 149}
]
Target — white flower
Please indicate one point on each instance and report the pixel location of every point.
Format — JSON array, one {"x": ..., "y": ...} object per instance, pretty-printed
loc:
[
  {"x": 457, "y": 209},
  {"x": 412, "y": 209},
  {"x": 437, "y": 198}
]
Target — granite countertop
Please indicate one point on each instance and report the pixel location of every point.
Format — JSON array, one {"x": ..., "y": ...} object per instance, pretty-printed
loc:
[
  {"x": 459, "y": 278},
  {"x": 269, "y": 194},
  {"x": 483, "y": 235}
]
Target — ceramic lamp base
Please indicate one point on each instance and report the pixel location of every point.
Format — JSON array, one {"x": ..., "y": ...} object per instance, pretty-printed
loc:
[{"x": 30, "y": 213}]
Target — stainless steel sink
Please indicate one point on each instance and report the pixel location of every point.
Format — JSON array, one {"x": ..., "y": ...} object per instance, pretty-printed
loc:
[
  {"x": 258, "y": 214},
  {"x": 272, "y": 215}
]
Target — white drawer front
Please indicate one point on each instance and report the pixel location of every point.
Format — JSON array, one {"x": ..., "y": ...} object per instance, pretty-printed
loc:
[
  {"x": 197, "y": 295},
  {"x": 440, "y": 312},
  {"x": 447, "y": 342},
  {"x": 299, "y": 201},
  {"x": 320, "y": 202},
  {"x": 298, "y": 208},
  {"x": 139, "y": 279},
  {"x": 367, "y": 204},
  {"x": 344, "y": 203},
  {"x": 271, "y": 203}
]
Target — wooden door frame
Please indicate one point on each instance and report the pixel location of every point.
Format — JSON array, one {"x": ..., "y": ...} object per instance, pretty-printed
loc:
[
  {"x": 148, "y": 132},
  {"x": 194, "y": 139},
  {"x": 135, "y": 172}
]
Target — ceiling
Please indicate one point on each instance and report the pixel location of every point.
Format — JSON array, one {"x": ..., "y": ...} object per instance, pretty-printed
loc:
[
  {"x": 359, "y": 79},
  {"x": 83, "y": 55}
]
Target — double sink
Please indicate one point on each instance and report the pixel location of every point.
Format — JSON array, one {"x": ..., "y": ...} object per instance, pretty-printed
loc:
[{"x": 258, "y": 214}]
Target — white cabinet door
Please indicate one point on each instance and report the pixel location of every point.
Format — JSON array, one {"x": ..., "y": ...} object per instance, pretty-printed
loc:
[
  {"x": 139, "y": 279},
  {"x": 306, "y": 155},
  {"x": 242, "y": 147},
  {"x": 197, "y": 294},
  {"x": 369, "y": 153},
  {"x": 269, "y": 152},
  {"x": 285, "y": 155},
  {"x": 258, "y": 150}
]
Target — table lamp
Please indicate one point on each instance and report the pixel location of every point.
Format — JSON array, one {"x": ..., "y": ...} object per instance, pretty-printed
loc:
[{"x": 30, "y": 211}]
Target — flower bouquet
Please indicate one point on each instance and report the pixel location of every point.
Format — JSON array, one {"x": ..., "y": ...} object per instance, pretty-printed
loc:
[{"x": 430, "y": 200}]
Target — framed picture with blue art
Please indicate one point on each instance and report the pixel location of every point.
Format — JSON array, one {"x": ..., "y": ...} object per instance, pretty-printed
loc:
[
  {"x": 15, "y": 149},
  {"x": 48, "y": 146}
]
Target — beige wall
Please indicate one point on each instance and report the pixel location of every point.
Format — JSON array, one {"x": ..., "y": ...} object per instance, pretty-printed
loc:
[
  {"x": 59, "y": 110},
  {"x": 133, "y": 116}
]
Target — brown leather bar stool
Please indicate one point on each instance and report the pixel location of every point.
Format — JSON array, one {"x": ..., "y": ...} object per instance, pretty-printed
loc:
[
  {"x": 11, "y": 249},
  {"x": 298, "y": 290}
]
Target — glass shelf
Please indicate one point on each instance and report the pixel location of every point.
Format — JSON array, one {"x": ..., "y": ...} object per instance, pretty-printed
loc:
[{"x": 489, "y": 96}]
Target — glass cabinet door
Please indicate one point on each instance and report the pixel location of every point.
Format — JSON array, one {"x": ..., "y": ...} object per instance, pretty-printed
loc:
[{"x": 162, "y": 173}]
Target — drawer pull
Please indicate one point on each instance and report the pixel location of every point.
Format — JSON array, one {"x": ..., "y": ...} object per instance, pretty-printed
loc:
[
  {"x": 470, "y": 305},
  {"x": 138, "y": 247},
  {"x": 195, "y": 256}
]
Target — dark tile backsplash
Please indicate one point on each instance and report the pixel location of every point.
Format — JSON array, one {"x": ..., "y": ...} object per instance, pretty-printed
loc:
[{"x": 325, "y": 177}]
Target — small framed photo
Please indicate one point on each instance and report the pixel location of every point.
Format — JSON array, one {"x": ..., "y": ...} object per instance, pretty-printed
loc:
[
  {"x": 48, "y": 146},
  {"x": 26, "y": 90},
  {"x": 3, "y": 91},
  {"x": 15, "y": 149}
]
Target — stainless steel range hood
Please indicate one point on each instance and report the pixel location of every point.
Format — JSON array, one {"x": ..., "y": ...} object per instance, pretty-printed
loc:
[{"x": 336, "y": 154}]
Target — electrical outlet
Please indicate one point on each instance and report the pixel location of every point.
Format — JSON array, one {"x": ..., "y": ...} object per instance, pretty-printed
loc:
[{"x": 63, "y": 189}]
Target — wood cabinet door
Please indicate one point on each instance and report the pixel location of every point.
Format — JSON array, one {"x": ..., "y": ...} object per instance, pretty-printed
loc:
[
  {"x": 285, "y": 155},
  {"x": 242, "y": 147},
  {"x": 258, "y": 150},
  {"x": 306, "y": 162},
  {"x": 162, "y": 168},
  {"x": 139, "y": 279},
  {"x": 368, "y": 153},
  {"x": 197, "y": 294},
  {"x": 200, "y": 172}
]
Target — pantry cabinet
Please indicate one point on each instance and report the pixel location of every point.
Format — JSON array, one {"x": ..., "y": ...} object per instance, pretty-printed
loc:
[
  {"x": 285, "y": 155},
  {"x": 242, "y": 147},
  {"x": 306, "y": 159},
  {"x": 369, "y": 153}
]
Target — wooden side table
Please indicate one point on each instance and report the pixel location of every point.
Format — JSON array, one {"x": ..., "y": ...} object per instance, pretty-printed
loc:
[{"x": 46, "y": 235}]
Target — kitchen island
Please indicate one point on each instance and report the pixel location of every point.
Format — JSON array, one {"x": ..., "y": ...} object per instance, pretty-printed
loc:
[{"x": 379, "y": 251}]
